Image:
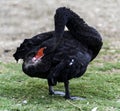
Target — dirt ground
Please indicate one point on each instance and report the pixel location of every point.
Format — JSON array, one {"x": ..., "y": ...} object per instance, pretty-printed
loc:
[{"x": 20, "y": 19}]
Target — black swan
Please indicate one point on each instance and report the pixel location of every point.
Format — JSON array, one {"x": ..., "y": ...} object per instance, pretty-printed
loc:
[{"x": 59, "y": 55}]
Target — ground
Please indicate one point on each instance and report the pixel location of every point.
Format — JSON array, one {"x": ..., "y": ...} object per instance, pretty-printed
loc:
[{"x": 20, "y": 19}]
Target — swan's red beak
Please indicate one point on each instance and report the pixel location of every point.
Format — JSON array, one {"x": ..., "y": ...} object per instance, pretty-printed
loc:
[{"x": 39, "y": 54}]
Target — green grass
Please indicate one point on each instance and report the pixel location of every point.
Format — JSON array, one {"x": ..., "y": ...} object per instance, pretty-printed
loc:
[{"x": 100, "y": 85}]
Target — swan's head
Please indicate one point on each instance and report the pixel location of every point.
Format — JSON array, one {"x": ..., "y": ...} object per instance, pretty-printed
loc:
[{"x": 36, "y": 62}]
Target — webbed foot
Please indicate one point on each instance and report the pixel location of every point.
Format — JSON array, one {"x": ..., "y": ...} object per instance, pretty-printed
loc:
[{"x": 74, "y": 98}]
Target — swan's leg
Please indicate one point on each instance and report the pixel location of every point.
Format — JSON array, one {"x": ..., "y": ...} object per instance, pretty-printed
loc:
[
  {"x": 52, "y": 92},
  {"x": 67, "y": 93}
]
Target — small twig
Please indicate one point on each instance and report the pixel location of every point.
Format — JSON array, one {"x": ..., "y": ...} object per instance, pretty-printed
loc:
[{"x": 74, "y": 105}]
